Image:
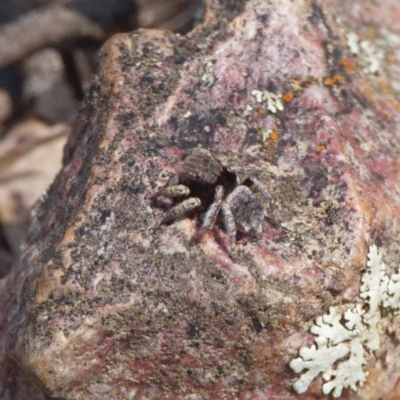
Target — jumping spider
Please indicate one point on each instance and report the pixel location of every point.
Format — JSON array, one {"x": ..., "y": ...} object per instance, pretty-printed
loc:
[{"x": 214, "y": 188}]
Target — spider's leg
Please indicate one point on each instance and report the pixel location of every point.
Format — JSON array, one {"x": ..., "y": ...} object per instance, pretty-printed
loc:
[
  {"x": 268, "y": 201},
  {"x": 181, "y": 209},
  {"x": 261, "y": 188},
  {"x": 229, "y": 223},
  {"x": 243, "y": 172},
  {"x": 174, "y": 191},
  {"x": 212, "y": 213}
]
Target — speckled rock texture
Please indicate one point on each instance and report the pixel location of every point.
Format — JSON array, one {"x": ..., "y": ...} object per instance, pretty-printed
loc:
[{"x": 109, "y": 304}]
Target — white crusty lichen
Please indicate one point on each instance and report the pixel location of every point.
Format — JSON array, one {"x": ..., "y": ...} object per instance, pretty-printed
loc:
[
  {"x": 370, "y": 56},
  {"x": 342, "y": 339},
  {"x": 274, "y": 102},
  {"x": 207, "y": 72}
]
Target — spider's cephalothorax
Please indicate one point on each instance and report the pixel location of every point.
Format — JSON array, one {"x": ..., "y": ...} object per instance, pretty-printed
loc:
[{"x": 203, "y": 183}]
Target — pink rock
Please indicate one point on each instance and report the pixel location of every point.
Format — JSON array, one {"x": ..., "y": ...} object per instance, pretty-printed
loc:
[{"x": 107, "y": 304}]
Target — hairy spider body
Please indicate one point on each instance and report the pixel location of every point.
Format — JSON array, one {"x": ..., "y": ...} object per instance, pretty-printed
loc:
[
  {"x": 200, "y": 166},
  {"x": 246, "y": 209},
  {"x": 215, "y": 191}
]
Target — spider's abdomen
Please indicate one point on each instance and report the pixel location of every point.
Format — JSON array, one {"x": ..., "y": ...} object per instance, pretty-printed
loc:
[{"x": 246, "y": 209}]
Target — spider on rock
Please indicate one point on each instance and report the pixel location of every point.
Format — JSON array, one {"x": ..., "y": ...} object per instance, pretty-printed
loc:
[{"x": 213, "y": 189}]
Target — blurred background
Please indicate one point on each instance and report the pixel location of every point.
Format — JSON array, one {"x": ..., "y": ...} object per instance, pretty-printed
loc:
[{"x": 48, "y": 52}]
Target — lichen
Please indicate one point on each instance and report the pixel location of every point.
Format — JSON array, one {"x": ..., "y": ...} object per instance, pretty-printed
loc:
[
  {"x": 206, "y": 73},
  {"x": 369, "y": 55},
  {"x": 343, "y": 338},
  {"x": 274, "y": 102}
]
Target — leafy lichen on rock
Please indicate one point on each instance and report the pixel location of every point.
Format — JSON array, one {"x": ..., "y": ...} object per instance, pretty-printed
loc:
[{"x": 337, "y": 339}]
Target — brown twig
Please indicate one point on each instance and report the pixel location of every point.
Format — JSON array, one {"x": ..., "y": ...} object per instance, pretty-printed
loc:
[{"x": 46, "y": 26}]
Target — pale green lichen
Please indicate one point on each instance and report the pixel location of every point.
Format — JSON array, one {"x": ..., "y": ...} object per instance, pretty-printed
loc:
[
  {"x": 369, "y": 55},
  {"x": 346, "y": 336},
  {"x": 272, "y": 100}
]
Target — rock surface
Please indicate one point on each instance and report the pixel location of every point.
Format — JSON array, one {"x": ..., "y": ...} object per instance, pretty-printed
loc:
[{"x": 107, "y": 304}]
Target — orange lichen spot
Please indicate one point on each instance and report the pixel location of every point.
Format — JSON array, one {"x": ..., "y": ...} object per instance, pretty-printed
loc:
[
  {"x": 288, "y": 97},
  {"x": 395, "y": 104},
  {"x": 329, "y": 82},
  {"x": 332, "y": 81},
  {"x": 261, "y": 111},
  {"x": 348, "y": 65},
  {"x": 338, "y": 78},
  {"x": 385, "y": 87},
  {"x": 273, "y": 136},
  {"x": 320, "y": 148},
  {"x": 278, "y": 121},
  {"x": 390, "y": 58},
  {"x": 387, "y": 114}
]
